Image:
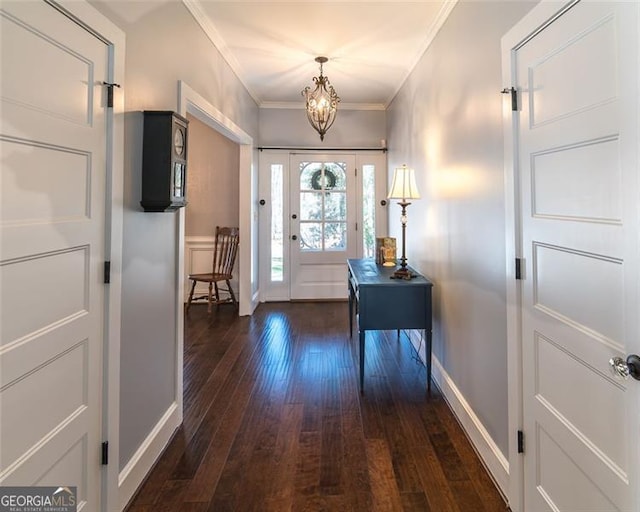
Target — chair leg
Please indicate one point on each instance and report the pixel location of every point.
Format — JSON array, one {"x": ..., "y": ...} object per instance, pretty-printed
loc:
[
  {"x": 209, "y": 306},
  {"x": 233, "y": 297},
  {"x": 215, "y": 285},
  {"x": 193, "y": 287}
]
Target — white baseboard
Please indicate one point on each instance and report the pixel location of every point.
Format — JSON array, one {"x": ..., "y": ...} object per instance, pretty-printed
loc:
[
  {"x": 255, "y": 300},
  {"x": 492, "y": 457},
  {"x": 134, "y": 473}
]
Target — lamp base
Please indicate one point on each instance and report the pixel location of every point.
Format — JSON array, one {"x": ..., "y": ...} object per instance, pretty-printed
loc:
[{"x": 403, "y": 273}]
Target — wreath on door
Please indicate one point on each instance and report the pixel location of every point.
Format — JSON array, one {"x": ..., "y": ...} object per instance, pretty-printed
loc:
[{"x": 329, "y": 180}]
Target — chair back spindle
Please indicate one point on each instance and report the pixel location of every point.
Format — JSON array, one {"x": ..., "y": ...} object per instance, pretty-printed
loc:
[{"x": 225, "y": 251}]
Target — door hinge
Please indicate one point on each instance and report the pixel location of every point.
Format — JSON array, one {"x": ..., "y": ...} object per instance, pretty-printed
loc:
[
  {"x": 518, "y": 268},
  {"x": 514, "y": 97},
  {"x": 105, "y": 453},
  {"x": 356, "y": 172},
  {"x": 356, "y": 226},
  {"x": 110, "y": 87},
  {"x": 520, "y": 441},
  {"x": 107, "y": 272}
]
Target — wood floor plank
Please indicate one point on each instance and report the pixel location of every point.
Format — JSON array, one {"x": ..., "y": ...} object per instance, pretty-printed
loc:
[
  {"x": 232, "y": 484},
  {"x": 307, "y": 477},
  {"x": 398, "y": 439},
  {"x": 197, "y": 445},
  {"x": 332, "y": 441},
  {"x": 281, "y": 489},
  {"x": 205, "y": 480},
  {"x": 482, "y": 482},
  {"x": 217, "y": 376},
  {"x": 260, "y": 459},
  {"x": 148, "y": 493},
  {"x": 274, "y": 421},
  {"x": 170, "y": 496},
  {"x": 436, "y": 486},
  {"x": 357, "y": 485},
  {"x": 384, "y": 488},
  {"x": 312, "y": 392},
  {"x": 414, "y": 502}
]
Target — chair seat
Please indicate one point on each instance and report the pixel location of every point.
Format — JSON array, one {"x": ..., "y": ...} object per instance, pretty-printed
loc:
[{"x": 210, "y": 277}]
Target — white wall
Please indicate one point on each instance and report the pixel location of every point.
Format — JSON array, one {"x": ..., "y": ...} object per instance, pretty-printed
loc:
[
  {"x": 352, "y": 129},
  {"x": 164, "y": 45},
  {"x": 446, "y": 122}
]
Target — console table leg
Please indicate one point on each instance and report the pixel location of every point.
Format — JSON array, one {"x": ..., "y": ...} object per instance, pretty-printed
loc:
[
  {"x": 428, "y": 357},
  {"x": 350, "y": 314},
  {"x": 362, "y": 334}
]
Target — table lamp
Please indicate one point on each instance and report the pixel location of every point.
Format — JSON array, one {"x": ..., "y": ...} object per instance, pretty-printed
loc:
[{"x": 403, "y": 188}]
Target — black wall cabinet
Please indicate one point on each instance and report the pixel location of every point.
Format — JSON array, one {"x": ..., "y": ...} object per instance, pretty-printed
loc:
[{"x": 164, "y": 161}]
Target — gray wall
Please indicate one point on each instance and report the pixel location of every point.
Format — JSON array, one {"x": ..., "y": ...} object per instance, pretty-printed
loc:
[
  {"x": 164, "y": 45},
  {"x": 352, "y": 129},
  {"x": 446, "y": 122}
]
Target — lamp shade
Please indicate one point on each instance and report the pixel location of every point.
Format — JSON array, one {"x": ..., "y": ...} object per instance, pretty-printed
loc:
[{"x": 404, "y": 184}]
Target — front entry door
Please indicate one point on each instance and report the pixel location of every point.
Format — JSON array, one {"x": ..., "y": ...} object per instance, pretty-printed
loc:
[
  {"x": 322, "y": 224},
  {"x": 579, "y": 198},
  {"x": 280, "y": 184},
  {"x": 52, "y": 224}
]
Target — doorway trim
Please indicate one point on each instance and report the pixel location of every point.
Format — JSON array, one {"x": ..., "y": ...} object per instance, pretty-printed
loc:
[
  {"x": 538, "y": 18},
  {"x": 191, "y": 102}
]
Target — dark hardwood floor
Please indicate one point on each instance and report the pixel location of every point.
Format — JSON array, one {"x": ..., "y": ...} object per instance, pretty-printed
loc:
[{"x": 274, "y": 421}]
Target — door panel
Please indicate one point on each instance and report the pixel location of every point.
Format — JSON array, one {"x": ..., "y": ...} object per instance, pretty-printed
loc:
[
  {"x": 52, "y": 207},
  {"x": 323, "y": 220},
  {"x": 579, "y": 215}
]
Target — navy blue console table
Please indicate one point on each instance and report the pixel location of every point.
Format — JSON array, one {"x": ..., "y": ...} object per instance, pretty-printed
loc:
[{"x": 383, "y": 303}]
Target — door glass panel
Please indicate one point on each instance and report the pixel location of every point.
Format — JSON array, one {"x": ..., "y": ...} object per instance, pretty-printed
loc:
[
  {"x": 335, "y": 205},
  {"x": 368, "y": 210},
  {"x": 323, "y": 206},
  {"x": 310, "y": 236},
  {"x": 307, "y": 172},
  {"x": 335, "y": 176},
  {"x": 335, "y": 236},
  {"x": 277, "y": 220},
  {"x": 310, "y": 205}
]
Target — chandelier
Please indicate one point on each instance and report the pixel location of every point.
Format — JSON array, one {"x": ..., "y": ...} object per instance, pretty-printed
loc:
[{"x": 322, "y": 102}]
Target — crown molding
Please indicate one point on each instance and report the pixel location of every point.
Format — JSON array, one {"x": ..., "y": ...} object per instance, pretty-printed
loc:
[
  {"x": 196, "y": 10},
  {"x": 290, "y": 105},
  {"x": 198, "y": 13},
  {"x": 432, "y": 32}
]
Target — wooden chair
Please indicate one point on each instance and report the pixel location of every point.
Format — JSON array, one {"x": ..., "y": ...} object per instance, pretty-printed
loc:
[{"x": 224, "y": 257}]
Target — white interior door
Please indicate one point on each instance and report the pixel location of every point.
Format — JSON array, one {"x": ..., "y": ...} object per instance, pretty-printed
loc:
[
  {"x": 322, "y": 224},
  {"x": 52, "y": 206},
  {"x": 578, "y": 164}
]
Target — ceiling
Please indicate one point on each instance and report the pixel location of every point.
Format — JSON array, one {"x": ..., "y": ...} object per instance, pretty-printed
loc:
[{"x": 372, "y": 46}]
